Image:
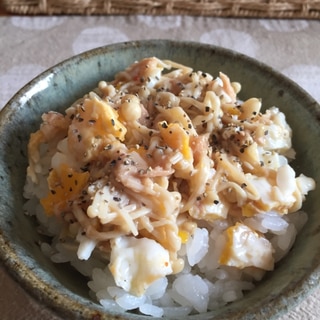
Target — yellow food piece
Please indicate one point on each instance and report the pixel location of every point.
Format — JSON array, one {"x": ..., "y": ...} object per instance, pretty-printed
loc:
[
  {"x": 64, "y": 185},
  {"x": 106, "y": 116},
  {"x": 184, "y": 236},
  {"x": 35, "y": 140},
  {"x": 176, "y": 138},
  {"x": 248, "y": 210},
  {"x": 231, "y": 109},
  {"x": 34, "y": 155}
]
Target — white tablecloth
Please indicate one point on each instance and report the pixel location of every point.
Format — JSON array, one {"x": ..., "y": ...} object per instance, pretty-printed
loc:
[{"x": 29, "y": 45}]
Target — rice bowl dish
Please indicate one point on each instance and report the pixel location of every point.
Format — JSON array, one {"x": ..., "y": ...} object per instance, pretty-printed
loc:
[
  {"x": 164, "y": 188},
  {"x": 28, "y": 254}
]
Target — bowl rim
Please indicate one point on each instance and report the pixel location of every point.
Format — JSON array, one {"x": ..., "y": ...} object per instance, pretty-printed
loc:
[{"x": 59, "y": 303}]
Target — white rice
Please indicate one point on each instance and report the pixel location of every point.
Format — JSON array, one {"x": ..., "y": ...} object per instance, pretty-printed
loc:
[{"x": 202, "y": 286}]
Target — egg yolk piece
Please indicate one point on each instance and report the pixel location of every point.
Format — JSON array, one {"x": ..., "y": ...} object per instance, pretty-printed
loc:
[
  {"x": 65, "y": 184},
  {"x": 95, "y": 124},
  {"x": 246, "y": 248},
  {"x": 176, "y": 138}
]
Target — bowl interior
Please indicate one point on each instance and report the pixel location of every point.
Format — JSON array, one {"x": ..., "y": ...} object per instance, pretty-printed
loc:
[{"x": 58, "y": 87}]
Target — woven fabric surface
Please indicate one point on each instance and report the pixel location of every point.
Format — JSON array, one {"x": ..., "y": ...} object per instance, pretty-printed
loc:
[{"x": 308, "y": 9}]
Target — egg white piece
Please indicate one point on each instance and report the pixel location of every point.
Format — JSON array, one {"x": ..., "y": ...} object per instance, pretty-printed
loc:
[
  {"x": 246, "y": 248},
  {"x": 137, "y": 262}
]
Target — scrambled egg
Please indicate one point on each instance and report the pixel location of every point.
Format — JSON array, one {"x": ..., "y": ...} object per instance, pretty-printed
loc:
[
  {"x": 137, "y": 262},
  {"x": 246, "y": 248}
]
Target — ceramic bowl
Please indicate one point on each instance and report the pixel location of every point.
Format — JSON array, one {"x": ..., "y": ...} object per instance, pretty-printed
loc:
[{"x": 60, "y": 288}]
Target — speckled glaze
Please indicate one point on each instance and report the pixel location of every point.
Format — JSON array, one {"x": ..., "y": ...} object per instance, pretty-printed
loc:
[{"x": 58, "y": 286}]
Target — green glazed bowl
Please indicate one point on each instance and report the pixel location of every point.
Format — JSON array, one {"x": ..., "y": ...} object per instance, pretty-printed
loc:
[{"x": 65, "y": 292}]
